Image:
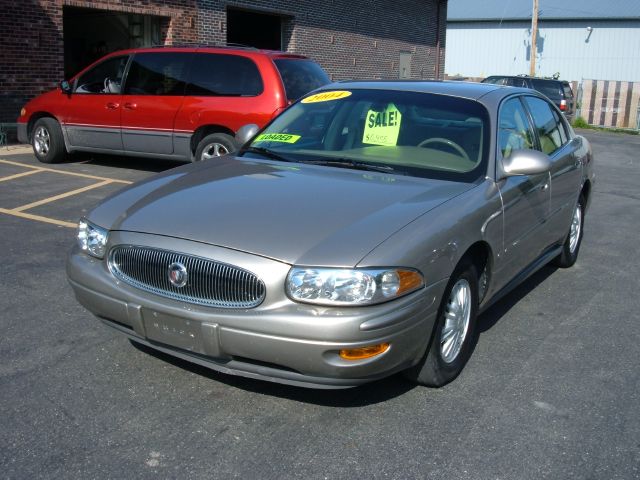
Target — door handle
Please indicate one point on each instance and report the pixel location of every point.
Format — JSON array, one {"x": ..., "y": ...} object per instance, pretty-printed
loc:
[
  {"x": 112, "y": 105},
  {"x": 130, "y": 106}
]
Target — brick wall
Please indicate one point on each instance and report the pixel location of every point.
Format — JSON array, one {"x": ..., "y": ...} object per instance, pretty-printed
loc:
[
  {"x": 349, "y": 38},
  {"x": 32, "y": 46}
]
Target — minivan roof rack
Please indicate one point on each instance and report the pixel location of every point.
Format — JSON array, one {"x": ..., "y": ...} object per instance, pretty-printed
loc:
[{"x": 204, "y": 45}]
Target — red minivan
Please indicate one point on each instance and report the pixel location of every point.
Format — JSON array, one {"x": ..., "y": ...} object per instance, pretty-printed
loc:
[{"x": 183, "y": 103}]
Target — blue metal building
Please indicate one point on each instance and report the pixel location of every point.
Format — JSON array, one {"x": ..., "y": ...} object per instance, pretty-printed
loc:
[{"x": 578, "y": 39}]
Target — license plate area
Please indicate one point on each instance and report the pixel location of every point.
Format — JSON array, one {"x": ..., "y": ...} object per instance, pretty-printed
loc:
[{"x": 170, "y": 330}]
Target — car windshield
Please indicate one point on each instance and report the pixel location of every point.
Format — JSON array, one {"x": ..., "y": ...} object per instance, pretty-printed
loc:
[{"x": 409, "y": 133}]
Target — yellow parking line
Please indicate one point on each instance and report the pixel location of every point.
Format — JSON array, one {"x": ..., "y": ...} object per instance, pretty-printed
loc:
[
  {"x": 62, "y": 195},
  {"x": 18, "y": 175},
  {"x": 63, "y": 172},
  {"x": 38, "y": 218}
]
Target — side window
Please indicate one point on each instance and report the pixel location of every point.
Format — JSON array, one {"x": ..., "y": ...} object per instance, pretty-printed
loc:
[
  {"x": 518, "y": 82},
  {"x": 161, "y": 73},
  {"x": 514, "y": 128},
  {"x": 224, "y": 75},
  {"x": 550, "y": 130},
  {"x": 106, "y": 77}
]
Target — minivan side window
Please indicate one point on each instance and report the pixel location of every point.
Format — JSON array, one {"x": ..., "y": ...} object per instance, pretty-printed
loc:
[
  {"x": 214, "y": 74},
  {"x": 548, "y": 126},
  {"x": 106, "y": 77},
  {"x": 162, "y": 73},
  {"x": 514, "y": 128}
]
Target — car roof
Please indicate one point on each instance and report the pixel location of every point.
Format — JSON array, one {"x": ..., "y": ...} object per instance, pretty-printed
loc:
[
  {"x": 470, "y": 90},
  {"x": 234, "y": 50}
]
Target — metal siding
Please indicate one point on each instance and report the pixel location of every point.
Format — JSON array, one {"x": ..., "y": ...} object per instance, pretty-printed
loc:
[{"x": 482, "y": 49}]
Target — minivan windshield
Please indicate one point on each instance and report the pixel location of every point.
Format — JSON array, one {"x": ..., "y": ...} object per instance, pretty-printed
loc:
[{"x": 410, "y": 133}]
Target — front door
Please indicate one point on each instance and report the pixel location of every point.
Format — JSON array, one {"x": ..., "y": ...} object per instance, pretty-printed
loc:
[
  {"x": 153, "y": 94},
  {"x": 526, "y": 198},
  {"x": 92, "y": 112},
  {"x": 566, "y": 174}
]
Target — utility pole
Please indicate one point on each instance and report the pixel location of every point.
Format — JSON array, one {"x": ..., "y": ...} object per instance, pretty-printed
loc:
[{"x": 534, "y": 38}]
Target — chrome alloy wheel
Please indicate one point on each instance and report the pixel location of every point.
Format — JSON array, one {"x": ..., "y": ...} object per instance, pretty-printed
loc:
[
  {"x": 214, "y": 150},
  {"x": 41, "y": 141},
  {"x": 576, "y": 228},
  {"x": 457, "y": 316}
]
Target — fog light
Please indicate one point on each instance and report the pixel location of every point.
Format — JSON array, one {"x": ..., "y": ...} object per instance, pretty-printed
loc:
[{"x": 364, "y": 352}]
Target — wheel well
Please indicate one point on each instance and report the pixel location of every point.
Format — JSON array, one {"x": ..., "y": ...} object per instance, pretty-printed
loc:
[
  {"x": 34, "y": 118},
  {"x": 205, "y": 130},
  {"x": 586, "y": 191},
  {"x": 480, "y": 255}
]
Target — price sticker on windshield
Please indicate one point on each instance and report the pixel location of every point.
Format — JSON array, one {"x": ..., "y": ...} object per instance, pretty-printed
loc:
[
  {"x": 277, "y": 137},
  {"x": 326, "y": 96},
  {"x": 382, "y": 128}
]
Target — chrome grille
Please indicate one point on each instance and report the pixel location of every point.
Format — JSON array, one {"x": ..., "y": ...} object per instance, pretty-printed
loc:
[{"x": 209, "y": 282}]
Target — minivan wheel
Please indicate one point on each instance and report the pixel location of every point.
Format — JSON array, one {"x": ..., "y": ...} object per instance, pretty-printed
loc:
[
  {"x": 47, "y": 141},
  {"x": 454, "y": 333},
  {"x": 214, "y": 145},
  {"x": 571, "y": 245}
]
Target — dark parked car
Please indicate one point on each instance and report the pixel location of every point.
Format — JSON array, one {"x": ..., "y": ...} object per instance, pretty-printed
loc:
[
  {"x": 184, "y": 103},
  {"x": 558, "y": 91},
  {"x": 358, "y": 235}
]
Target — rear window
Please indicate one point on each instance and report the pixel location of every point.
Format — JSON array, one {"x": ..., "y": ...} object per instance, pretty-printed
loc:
[
  {"x": 568, "y": 93},
  {"x": 549, "y": 88},
  {"x": 215, "y": 74},
  {"x": 300, "y": 76}
]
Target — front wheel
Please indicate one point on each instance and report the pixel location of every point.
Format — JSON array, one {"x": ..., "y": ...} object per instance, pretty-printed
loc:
[
  {"x": 214, "y": 145},
  {"x": 454, "y": 333},
  {"x": 571, "y": 245},
  {"x": 47, "y": 141}
]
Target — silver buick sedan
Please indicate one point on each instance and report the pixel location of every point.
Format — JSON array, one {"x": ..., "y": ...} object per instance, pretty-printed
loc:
[{"x": 358, "y": 235}]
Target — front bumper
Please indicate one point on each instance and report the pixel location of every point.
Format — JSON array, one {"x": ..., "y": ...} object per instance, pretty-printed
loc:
[{"x": 280, "y": 340}]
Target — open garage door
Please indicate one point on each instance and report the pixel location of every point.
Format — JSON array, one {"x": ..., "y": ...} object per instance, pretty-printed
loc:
[
  {"x": 254, "y": 29},
  {"x": 91, "y": 33}
]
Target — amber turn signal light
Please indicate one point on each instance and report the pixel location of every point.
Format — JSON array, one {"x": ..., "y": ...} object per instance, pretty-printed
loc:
[{"x": 364, "y": 352}]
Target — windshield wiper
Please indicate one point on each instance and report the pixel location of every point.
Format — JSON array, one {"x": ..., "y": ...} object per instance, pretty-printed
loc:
[
  {"x": 356, "y": 165},
  {"x": 266, "y": 153}
]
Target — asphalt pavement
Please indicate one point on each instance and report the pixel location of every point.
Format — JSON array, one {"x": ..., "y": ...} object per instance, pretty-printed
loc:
[{"x": 552, "y": 390}]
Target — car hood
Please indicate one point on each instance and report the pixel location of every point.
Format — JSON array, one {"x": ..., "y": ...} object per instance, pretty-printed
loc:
[{"x": 295, "y": 213}]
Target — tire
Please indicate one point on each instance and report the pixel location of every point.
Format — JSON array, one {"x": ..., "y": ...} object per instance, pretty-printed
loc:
[
  {"x": 571, "y": 245},
  {"x": 443, "y": 360},
  {"x": 47, "y": 141},
  {"x": 214, "y": 145}
]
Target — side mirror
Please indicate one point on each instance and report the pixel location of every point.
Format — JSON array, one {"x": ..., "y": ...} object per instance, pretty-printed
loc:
[
  {"x": 65, "y": 87},
  {"x": 246, "y": 133},
  {"x": 525, "y": 162}
]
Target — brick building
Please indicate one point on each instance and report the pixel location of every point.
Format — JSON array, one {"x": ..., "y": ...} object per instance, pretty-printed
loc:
[{"x": 44, "y": 41}]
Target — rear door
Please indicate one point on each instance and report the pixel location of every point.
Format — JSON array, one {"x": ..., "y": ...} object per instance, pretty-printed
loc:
[
  {"x": 153, "y": 94},
  {"x": 91, "y": 114}
]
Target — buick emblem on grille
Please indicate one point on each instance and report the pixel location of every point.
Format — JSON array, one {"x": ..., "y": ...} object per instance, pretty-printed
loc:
[{"x": 178, "y": 275}]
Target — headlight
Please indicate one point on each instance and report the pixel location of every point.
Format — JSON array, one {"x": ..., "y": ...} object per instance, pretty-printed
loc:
[
  {"x": 366, "y": 286},
  {"x": 91, "y": 238}
]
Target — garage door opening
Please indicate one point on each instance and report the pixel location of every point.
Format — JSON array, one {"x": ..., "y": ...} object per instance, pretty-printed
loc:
[
  {"x": 91, "y": 33},
  {"x": 253, "y": 29}
]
